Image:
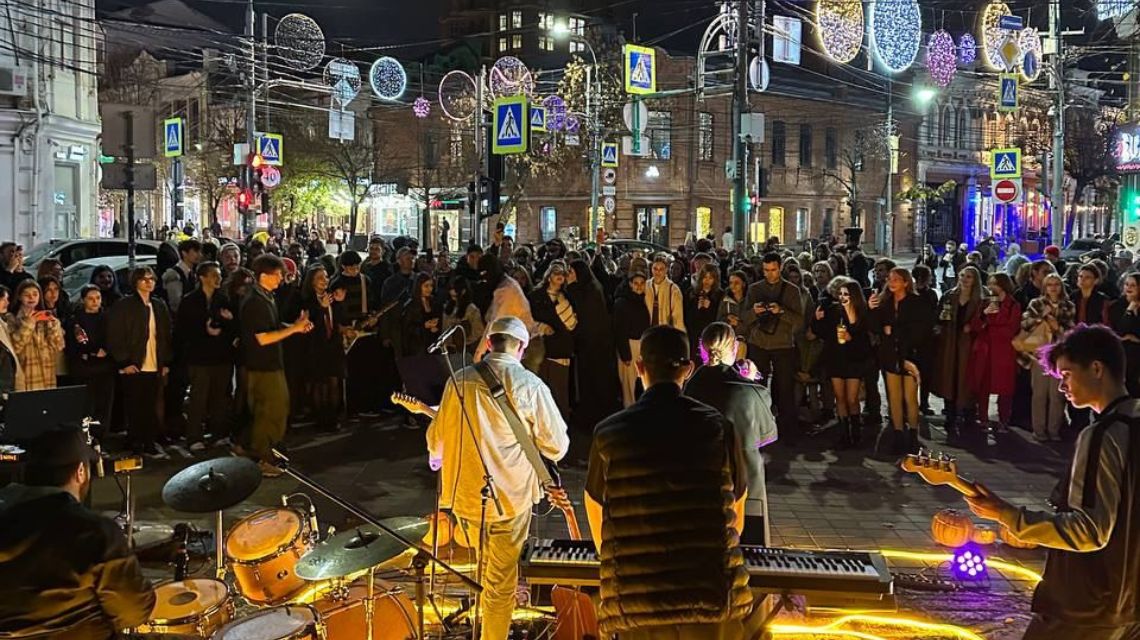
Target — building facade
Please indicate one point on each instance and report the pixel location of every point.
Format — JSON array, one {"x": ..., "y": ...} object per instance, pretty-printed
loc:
[{"x": 49, "y": 121}]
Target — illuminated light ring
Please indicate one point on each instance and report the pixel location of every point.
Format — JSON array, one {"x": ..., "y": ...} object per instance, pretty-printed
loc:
[
  {"x": 941, "y": 58},
  {"x": 457, "y": 95},
  {"x": 555, "y": 112},
  {"x": 510, "y": 77},
  {"x": 967, "y": 49},
  {"x": 421, "y": 107},
  {"x": 388, "y": 78},
  {"x": 896, "y": 33},
  {"x": 299, "y": 41},
  {"x": 1030, "y": 41},
  {"x": 991, "y": 35},
  {"x": 841, "y": 26}
]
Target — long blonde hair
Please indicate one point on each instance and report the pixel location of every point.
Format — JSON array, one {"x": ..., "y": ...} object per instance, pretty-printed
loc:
[{"x": 718, "y": 342}]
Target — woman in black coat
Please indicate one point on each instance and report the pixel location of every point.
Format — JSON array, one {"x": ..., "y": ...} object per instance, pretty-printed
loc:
[
  {"x": 423, "y": 317},
  {"x": 702, "y": 305},
  {"x": 596, "y": 369},
  {"x": 88, "y": 357},
  {"x": 557, "y": 320},
  {"x": 630, "y": 320},
  {"x": 323, "y": 347}
]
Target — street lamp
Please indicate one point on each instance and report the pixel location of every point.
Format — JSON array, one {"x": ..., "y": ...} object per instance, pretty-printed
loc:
[
  {"x": 561, "y": 30},
  {"x": 924, "y": 95}
]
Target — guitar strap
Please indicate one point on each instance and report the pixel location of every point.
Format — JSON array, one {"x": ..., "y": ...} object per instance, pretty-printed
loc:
[{"x": 513, "y": 419}]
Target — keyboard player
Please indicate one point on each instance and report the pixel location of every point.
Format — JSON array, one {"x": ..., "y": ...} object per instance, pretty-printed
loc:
[{"x": 665, "y": 496}]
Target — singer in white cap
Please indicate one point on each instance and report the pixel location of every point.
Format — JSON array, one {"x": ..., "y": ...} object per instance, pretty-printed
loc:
[{"x": 472, "y": 429}]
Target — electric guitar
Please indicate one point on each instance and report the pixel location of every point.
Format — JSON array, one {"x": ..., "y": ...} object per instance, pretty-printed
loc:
[
  {"x": 938, "y": 469},
  {"x": 555, "y": 492},
  {"x": 366, "y": 326}
]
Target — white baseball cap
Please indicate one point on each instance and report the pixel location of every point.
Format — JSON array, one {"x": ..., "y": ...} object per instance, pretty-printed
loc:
[{"x": 510, "y": 326}]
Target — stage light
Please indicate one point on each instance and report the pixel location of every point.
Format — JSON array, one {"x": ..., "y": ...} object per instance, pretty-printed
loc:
[
  {"x": 926, "y": 556},
  {"x": 969, "y": 563}
]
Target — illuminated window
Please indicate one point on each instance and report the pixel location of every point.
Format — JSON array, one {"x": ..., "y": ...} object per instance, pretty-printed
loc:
[
  {"x": 803, "y": 224},
  {"x": 705, "y": 141},
  {"x": 548, "y": 223},
  {"x": 516, "y": 41},
  {"x": 776, "y": 223},
  {"x": 660, "y": 132},
  {"x": 545, "y": 20},
  {"x": 577, "y": 27},
  {"x": 577, "y": 47},
  {"x": 704, "y": 221},
  {"x": 546, "y": 43},
  {"x": 516, "y": 19},
  {"x": 502, "y": 22},
  {"x": 502, "y": 44}
]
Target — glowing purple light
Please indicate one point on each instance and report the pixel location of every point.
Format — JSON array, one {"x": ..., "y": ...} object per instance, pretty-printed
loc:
[
  {"x": 421, "y": 107},
  {"x": 967, "y": 49},
  {"x": 969, "y": 563},
  {"x": 941, "y": 58}
]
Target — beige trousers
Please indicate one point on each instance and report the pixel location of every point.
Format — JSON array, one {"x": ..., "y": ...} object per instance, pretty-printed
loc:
[
  {"x": 503, "y": 543},
  {"x": 627, "y": 373}
]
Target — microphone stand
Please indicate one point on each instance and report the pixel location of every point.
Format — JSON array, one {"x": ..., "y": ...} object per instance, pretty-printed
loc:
[{"x": 422, "y": 556}]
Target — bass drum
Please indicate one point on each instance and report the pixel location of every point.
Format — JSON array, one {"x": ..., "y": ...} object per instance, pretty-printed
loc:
[
  {"x": 263, "y": 549},
  {"x": 188, "y": 608},
  {"x": 278, "y": 623},
  {"x": 393, "y": 615}
]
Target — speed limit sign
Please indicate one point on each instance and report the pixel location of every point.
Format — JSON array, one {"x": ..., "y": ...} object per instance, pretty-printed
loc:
[
  {"x": 609, "y": 175},
  {"x": 270, "y": 177}
]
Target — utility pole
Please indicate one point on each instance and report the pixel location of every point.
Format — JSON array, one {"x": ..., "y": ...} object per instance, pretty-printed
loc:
[
  {"x": 265, "y": 86},
  {"x": 892, "y": 154},
  {"x": 595, "y": 153},
  {"x": 740, "y": 194},
  {"x": 1057, "y": 83},
  {"x": 251, "y": 109},
  {"x": 477, "y": 206}
]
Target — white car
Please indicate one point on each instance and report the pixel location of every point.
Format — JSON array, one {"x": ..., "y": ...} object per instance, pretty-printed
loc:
[
  {"x": 79, "y": 273},
  {"x": 69, "y": 252}
]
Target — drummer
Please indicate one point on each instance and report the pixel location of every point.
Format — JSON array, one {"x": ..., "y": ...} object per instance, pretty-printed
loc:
[{"x": 65, "y": 571}]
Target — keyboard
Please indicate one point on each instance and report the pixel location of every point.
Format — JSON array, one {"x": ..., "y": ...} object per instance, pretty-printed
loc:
[{"x": 575, "y": 563}]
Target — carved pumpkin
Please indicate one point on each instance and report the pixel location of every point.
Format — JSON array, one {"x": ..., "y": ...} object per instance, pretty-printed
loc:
[
  {"x": 951, "y": 527},
  {"x": 1008, "y": 538},
  {"x": 984, "y": 534},
  {"x": 443, "y": 521}
]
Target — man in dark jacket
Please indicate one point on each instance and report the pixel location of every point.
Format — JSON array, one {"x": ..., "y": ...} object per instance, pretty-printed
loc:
[
  {"x": 65, "y": 572},
  {"x": 204, "y": 327},
  {"x": 139, "y": 336},
  {"x": 679, "y": 571}
]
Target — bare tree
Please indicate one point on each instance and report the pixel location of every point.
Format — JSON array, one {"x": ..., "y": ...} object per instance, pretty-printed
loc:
[{"x": 864, "y": 145}]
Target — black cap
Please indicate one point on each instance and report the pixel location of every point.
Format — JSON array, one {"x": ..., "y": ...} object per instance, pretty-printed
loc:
[{"x": 59, "y": 448}]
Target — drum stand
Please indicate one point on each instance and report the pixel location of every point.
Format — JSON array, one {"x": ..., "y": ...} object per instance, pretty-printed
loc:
[
  {"x": 422, "y": 556},
  {"x": 219, "y": 561}
]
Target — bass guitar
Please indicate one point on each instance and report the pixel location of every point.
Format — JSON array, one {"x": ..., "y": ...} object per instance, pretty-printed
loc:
[
  {"x": 555, "y": 492},
  {"x": 938, "y": 469}
]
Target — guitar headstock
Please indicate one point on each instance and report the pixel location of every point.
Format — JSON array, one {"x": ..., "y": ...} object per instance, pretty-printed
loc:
[
  {"x": 408, "y": 402},
  {"x": 935, "y": 468}
]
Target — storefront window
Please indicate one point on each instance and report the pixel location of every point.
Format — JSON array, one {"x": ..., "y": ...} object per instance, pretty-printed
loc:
[
  {"x": 653, "y": 225},
  {"x": 776, "y": 223},
  {"x": 704, "y": 221},
  {"x": 66, "y": 221},
  {"x": 548, "y": 223},
  {"x": 803, "y": 224}
]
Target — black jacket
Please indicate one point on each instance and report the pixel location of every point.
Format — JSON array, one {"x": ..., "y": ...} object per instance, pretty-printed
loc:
[
  {"x": 666, "y": 472},
  {"x": 82, "y": 360},
  {"x": 201, "y": 348},
  {"x": 65, "y": 572},
  {"x": 559, "y": 345},
  {"x": 1096, "y": 309},
  {"x": 912, "y": 324},
  {"x": 630, "y": 320},
  {"x": 127, "y": 332}
]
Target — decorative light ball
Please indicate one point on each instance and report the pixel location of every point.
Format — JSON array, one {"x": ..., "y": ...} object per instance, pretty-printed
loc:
[
  {"x": 421, "y": 107},
  {"x": 896, "y": 31},
  {"x": 1011, "y": 540},
  {"x": 941, "y": 58},
  {"x": 992, "y": 35},
  {"x": 1030, "y": 43},
  {"x": 510, "y": 77},
  {"x": 969, "y": 563},
  {"x": 951, "y": 527},
  {"x": 555, "y": 112},
  {"x": 387, "y": 78},
  {"x": 967, "y": 49},
  {"x": 299, "y": 41},
  {"x": 840, "y": 28},
  {"x": 984, "y": 534},
  {"x": 457, "y": 95}
]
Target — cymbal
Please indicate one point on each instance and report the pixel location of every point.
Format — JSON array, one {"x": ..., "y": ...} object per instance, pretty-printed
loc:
[
  {"x": 212, "y": 485},
  {"x": 358, "y": 549}
]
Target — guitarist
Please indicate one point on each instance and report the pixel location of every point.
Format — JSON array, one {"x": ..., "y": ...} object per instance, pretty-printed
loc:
[
  {"x": 452, "y": 451},
  {"x": 1091, "y": 585}
]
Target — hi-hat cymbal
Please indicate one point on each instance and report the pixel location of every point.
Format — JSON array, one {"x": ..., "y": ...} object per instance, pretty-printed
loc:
[
  {"x": 358, "y": 549},
  {"x": 212, "y": 485}
]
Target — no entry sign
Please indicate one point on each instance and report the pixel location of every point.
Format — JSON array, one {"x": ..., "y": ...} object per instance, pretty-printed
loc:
[{"x": 1006, "y": 191}]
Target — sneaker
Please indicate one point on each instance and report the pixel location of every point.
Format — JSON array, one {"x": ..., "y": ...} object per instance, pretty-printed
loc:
[
  {"x": 269, "y": 470},
  {"x": 180, "y": 450},
  {"x": 156, "y": 453},
  {"x": 198, "y": 447}
]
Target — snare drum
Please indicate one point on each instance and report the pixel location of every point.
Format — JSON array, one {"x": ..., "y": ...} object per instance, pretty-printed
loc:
[
  {"x": 189, "y": 608},
  {"x": 393, "y": 615},
  {"x": 263, "y": 550},
  {"x": 278, "y": 623}
]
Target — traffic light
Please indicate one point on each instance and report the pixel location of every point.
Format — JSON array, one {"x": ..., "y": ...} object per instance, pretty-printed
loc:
[
  {"x": 491, "y": 190},
  {"x": 244, "y": 200}
]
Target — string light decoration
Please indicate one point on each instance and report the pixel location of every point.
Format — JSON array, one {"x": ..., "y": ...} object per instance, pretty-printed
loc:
[
  {"x": 510, "y": 77},
  {"x": 896, "y": 33},
  {"x": 457, "y": 95},
  {"x": 840, "y": 28},
  {"x": 421, "y": 107},
  {"x": 967, "y": 49},
  {"x": 941, "y": 58},
  {"x": 992, "y": 35},
  {"x": 1030, "y": 43},
  {"x": 299, "y": 41},
  {"x": 387, "y": 78},
  {"x": 555, "y": 112}
]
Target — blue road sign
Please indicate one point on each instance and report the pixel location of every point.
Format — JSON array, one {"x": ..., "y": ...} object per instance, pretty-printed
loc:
[
  {"x": 609, "y": 154},
  {"x": 271, "y": 148},
  {"x": 640, "y": 69},
  {"x": 510, "y": 125},
  {"x": 1011, "y": 23},
  {"x": 1005, "y": 163},
  {"x": 1030, "y": 65},
  {"x": 172, "y": 137},
  {"x": 538, "y": 118},
  {"x": 1008, "y": 92}
]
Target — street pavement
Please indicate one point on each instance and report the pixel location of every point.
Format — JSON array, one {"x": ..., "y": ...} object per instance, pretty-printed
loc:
[{"x": 818, "y": 500}]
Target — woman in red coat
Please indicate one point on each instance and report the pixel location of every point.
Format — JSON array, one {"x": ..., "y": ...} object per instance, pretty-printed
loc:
[{"x": 993, "y": 355}]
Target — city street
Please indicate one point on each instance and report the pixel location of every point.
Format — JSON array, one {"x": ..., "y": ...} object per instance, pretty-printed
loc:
[{"x": 818, "y": 500}]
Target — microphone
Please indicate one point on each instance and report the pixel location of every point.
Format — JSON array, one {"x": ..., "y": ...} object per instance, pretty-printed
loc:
[
  {"x": 284, "y": 500},
  {"x": 442, "y": 339},
  {"x": 314, "y": 526}
]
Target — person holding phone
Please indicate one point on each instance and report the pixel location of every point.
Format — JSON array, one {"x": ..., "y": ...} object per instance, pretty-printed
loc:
[{"x": 37, "y": 336}]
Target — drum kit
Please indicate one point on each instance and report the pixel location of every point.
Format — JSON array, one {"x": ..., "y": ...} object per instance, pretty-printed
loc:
[{"x": 287, "y": 584}]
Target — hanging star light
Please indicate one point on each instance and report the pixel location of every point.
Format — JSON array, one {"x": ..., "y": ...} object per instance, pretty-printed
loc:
[
  {"x": 299, "y": 41},
  {"x": 992, "y": 35},
  {"x": 387, "y": 78},
  {"x": 457, "y": 95},
  {"x": 1030, "y": 44},
  {"x": 840, "y": 28},
  {"x": 967, "y": 49},
  {"x": 896, "y": 32},
  {"x": 941, "y": 58},
  {"x": 421, "y": 107}
]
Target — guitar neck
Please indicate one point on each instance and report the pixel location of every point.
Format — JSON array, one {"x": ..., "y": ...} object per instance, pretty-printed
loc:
[{"x": 964, "y": 487}]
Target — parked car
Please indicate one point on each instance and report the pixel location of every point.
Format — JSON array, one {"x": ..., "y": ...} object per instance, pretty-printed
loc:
[
  {"x": 79, "y": 273},
  {"x": 625, "y": 245},
  {"x": 69, "y": 252},
  {"x": 1077, "y": 248}
]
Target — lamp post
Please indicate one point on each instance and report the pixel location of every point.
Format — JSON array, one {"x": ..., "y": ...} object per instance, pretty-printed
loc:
[{"x": 593, "y": 91}]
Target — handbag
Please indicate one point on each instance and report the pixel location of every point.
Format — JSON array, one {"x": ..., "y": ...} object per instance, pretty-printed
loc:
[{"x": 1028, "y": 342}]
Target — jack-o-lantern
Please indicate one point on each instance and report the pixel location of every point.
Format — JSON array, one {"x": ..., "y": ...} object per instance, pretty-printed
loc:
[
  {"x": 952, "y": 527},
  {"x": 984, "y": 534},
  {"x": 1017, "y": 543},
  {"x": 441, "y": 520}
]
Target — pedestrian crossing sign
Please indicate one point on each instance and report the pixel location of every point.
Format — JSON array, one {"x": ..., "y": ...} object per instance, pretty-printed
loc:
[
  {"x": 271, "y": 148},
  {"x": 509, "y": 125},
  {"x": 172, "y": 137},
  {"x": 538, "y": 118},
  {"x": 1008, "y": 97},
  {"x": 1005, "y": 163},
  {"x": 609, "y": 154},
  {"x": 640, "y": 69}
]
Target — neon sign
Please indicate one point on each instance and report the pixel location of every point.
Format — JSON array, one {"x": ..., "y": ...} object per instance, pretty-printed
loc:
[{"x": 1126, "y": 149}]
